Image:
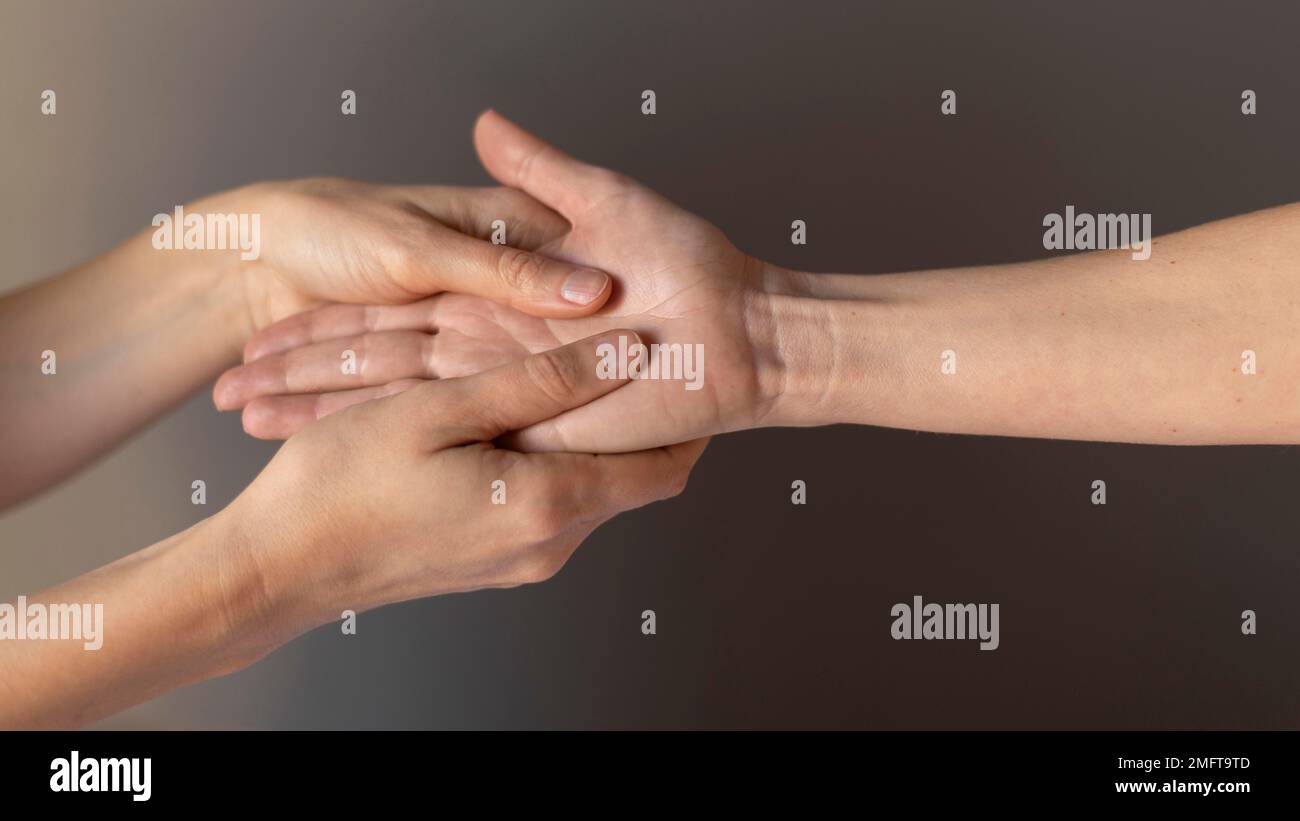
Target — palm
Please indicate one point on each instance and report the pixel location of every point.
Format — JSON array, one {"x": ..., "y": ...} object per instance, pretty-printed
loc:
[{"x": 679, "y": 281}]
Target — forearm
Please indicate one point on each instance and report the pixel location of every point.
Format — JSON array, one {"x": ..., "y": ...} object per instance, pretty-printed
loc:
[
  {"x": 129, "y": 334},
  {"x": 176, "y": 613},
  {"x": 1096, "y": 346}
]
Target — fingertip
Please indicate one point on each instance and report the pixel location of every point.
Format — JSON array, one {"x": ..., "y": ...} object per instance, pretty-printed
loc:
[
  {"x": 486, "y": 122},
  {"x": 581, "y": 293},
  {"x": 632, "y": 336},
  {"x": 502, "y": 146},
  {"x": 252, "y": 419},
  {"x": 541, "y": 437},
  {"x": 224, "y": 392},
  {"x": 615, "y": 353},
  {"x": 587, "y": 288},
  {"x": 561, "y": 291},
  {"x": 261, "y": 422},
  {"x": 486, "y": 115},
  {"x": 490, "y": 118}
]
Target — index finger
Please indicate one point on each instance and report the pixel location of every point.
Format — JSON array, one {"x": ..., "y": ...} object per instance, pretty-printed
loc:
[{"x": 483, "y": 406}]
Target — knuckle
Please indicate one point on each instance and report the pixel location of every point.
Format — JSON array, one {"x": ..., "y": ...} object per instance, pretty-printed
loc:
[
  {"x": 518, "y": 270},
  {"x": 443, "y": 399},
  {"x": 309, "y": 191},
  {"x": 428, "y": 352},
  {"x": 360, "y": 346},
  {"x": 524, "y": 168},
  {"x": 546, "y": 517},
  {"x": 677, "y": 484},
  {"x": 548, "y": 523},
  {"x": 397, "y": 256},
  {"x": 538, "y": 566},
  {"x": 553, "y": 374},
  {"x": 399, "y": 386}
]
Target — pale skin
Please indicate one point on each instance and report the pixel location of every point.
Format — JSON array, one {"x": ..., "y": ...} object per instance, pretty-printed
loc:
[
  {"x": 138, "y": 329},
  {"x": 305, "y": 541},
  {"x": 1094, "y": 346}
]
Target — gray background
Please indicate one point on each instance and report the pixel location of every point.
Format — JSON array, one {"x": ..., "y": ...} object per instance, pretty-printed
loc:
[{"x": 770, "y": 615}]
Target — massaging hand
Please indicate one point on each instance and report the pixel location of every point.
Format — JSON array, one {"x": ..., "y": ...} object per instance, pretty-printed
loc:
[
  {"x": 393, "y": 499},
  {"x": 386, "y": 501},
  {"x": 679, "y": 280}
]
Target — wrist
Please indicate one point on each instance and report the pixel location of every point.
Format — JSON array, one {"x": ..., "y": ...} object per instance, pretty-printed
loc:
[
  {"x": 239, "y": 267},
  {"x": 287, "y": 566},
  {"x": 261, "y": 606},
  {"x": 211, "y": 281},
  {"x": 793, "y": 334}
]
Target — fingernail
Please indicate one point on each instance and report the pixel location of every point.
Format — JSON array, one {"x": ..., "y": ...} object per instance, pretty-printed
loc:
[
  {"x": 628, "y": 337},
  {"x": 584, "y": 285}
]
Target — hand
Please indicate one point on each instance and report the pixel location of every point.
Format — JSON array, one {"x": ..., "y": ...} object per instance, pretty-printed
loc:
[
  {"x": 336, "y": 240},
  {"x": 393, "y": 499},
  {"x": 680, "y": 281}
]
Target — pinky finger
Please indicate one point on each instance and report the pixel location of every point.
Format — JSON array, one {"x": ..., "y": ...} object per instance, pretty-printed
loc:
[{"x": 279, "y": 417}]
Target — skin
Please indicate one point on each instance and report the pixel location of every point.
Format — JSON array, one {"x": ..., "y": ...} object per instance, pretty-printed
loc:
[
  {"x": 679, "y": 281},
  {"x": 1093, "y": 346},
  {"x": 304, "y": 541},
  {"x": 1086, "y": 347},
  {"x": 138, "y": 329}
]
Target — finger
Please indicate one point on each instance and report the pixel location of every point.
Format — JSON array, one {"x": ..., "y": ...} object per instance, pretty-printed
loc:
[
  {"x": 339, "y": 364},
  {"x": 473, "y": 257},
  {"x": 279, "y": 417},
  {"x": 643, "y": 414},
  {"x": 524, "y": 280},
  {"x": 479, "y": 318},
  {"x": 526, "y": 223},
  {"x": 335, "y": 321},
  {"x": 481, "y": 407},
  {"x": 626, "y": 481},
  {"x": 603, "y": 485},
  {"x": 521, "y": 160}
]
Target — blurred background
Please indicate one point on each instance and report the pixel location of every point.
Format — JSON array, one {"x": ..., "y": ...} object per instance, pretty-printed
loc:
[{"x": 769, "y": 614}]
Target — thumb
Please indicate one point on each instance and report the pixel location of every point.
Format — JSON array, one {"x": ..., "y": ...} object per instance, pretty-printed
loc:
[
  {"x": 524, "y": 280},
  {"x": 482, "y": 407},
  {"x": 519, "y": 159}
]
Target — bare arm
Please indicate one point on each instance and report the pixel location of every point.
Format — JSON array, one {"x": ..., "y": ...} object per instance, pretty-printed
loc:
[
  {"x": 129, "y": 335},
  {"x": 172, "y": 614},
  {"x": 1094, "y": 346}
]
